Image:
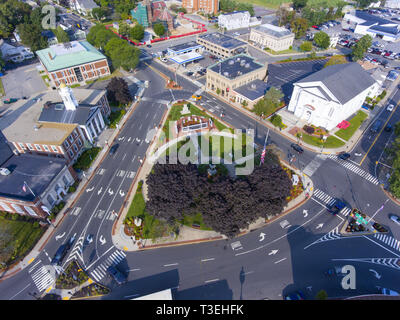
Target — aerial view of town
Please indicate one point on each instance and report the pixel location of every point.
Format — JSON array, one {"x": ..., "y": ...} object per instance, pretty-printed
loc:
[{"x": 202, "y": 150}]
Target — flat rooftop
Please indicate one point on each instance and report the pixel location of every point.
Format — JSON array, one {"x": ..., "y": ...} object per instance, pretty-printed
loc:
[
  {"x": 277, "y": 32},
  {"x": 223, "y": 40},
  {"x": 184, "y": 46},
  {"x": 36, "y": 171},
  {"x": 236, "y": 66},
  {"x": 253, "y": 90},
  {"x": 186, "y": 57},
  {"x": 20, "y": 122}
]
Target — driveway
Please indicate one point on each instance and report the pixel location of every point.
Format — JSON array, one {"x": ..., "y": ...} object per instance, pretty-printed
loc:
[{"x": 23, "y": 80}]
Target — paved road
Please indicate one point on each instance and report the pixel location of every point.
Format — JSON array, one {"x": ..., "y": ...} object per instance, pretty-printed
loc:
[{"x": 249, "y": 267}]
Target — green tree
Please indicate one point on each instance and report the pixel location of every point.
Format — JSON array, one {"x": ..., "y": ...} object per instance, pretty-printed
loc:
[
  {"x": 321, "y": 39},
  {"x": 361, "y": 47},
  {"x": 321, "y": 295},
  {"x": 284, "y": 16},
  {"x": 2, "y": 62},
  {"x": 159, "y": 29},
  {"x": 100, "y": 13},
  {"x": 99, "y": 36},
  {"x": 61, "y": 35},
  {"x": 365, "y": 3},
  {"x": 306, "y": 46},
  {"x": 31, "y": 36},
  {"x": 269, "y": 103},
  {"x": 299, "y": 27},
  {"x": 124, "y": 29},
  {"x": 122, "y": 54},
  {"x": 298, "y": 4},
  {"x": 137, "y": 32}
]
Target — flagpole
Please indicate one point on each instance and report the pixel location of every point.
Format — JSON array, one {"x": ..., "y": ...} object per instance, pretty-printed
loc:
[
  {"x": 265, "y": 145},
  {"x": 30, "y": 189}
]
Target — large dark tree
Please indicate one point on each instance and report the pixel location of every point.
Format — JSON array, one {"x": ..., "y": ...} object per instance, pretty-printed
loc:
[{"x": 118, "y": 91}]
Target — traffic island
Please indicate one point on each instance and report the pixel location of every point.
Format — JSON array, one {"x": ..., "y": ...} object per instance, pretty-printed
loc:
[
  {"x": 359, "y": 223},
  {"x": 72, "y": 277},
  {"x": 91, "y": 291}
]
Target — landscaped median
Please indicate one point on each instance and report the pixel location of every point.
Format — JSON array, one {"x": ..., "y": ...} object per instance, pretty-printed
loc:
[
  {"x": 330, "y": 143},
  {"x": 355, "y": 123}
]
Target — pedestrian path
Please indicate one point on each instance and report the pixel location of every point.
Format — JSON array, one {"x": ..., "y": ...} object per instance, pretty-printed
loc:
[
  {"x": 388, "y": 240},
  {"x": 355, "y": 168},
  {"x": 114, "y": 259},
  {"x": 314, "y": 164},
  {"x": 328, "y": 200},
  {"x": 42, "y": 277}
]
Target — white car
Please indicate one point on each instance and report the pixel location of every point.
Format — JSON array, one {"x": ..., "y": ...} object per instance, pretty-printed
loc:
[
  {"x": 164, "y": 60},
  {"x": 390, "y": 107},
  {"x": 395, "y": 219}
]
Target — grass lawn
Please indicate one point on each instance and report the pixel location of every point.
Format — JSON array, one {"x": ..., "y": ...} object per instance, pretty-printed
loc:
[
  {"x": 18, "y": 237},
  {"x": 196, "y": 220},
  {"x": 281, "y": 52},
  {"x": 2, "y": 92},
  {"x": 86, "y": 158},
  {"x": 355, "y": 123},
  {"x": 44, "y": 79},
  {"x": 331, "y": 141}
]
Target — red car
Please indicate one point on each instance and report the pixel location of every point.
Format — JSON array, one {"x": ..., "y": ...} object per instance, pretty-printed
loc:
[{"x": 315, "y": 27}]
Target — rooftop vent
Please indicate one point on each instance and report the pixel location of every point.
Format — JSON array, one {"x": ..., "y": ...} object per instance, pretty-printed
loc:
[
  {"x": 247, "y": 65},
  {"x": 59, "y": 107},
  {"x": 4, "y": 171},
  {"x": 231, "y": 62},
  {"x": 237, "y": 59},
  {"x": 253, "y": 86},
  {"x": 47, "y": 104},
  {"x": 226, "y": 74},
  {"x": 242, "y": 63},
  {"x": 67, "y": 45}
]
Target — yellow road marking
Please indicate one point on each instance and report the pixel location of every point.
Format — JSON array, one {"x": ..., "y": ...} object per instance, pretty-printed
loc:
[
  {"x": 125, "y": 248},
  {"x": 30, "y": 261},
  {"x": 379, "y": 134},
  {"x": 65, "y": 298},
  {"x": 90, "y": 280},
  {"x": 48, "y": 289}
]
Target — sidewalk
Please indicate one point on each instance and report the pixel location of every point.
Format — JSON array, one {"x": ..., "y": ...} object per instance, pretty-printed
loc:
[{"x": 108, "y": 135}]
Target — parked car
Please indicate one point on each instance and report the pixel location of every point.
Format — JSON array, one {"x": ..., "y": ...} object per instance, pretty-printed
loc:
[
  {"x": 344, "y": 156},
  {"x": 390, "y": 107},
  {"x": 297, "y": 148},
  {"x": 190, "y": 73},
  {"x": 388, "y": 128},
  {"x": 148, "y": 46},
  {"x": 377, "y": 125},
  {"x": 117, "y": 275},
  {"x": 114, "y": 148},
  {"x": 62, "y": 251},
  {"x": 395, "y": 219},
  {"x": 10, "y": 100},
  {"x": 297, "y": 295}
]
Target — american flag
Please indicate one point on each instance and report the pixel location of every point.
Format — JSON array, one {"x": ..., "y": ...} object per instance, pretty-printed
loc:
[
  {"x": 24, "y": 187},
  {"x": 263, "y": 155}
]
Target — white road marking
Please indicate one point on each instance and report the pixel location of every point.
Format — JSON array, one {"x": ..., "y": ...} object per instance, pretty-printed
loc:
[
  {"x": 209, "y": 259},
  {"x": 280, "y": 260},
  {"x": 19, "y": 292},
  {"x": 170, "y": 265},
  {"x": 212, "y": 280}
]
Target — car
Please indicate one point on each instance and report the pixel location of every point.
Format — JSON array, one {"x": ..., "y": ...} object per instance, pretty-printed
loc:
[
  {"x": 62, "y": 251},
  {"x": 117, "y": 275},
  {"x": 164, "y": 60},
  {"x": 336, "y": 207},
  {"x": 388, "y": 292},
  {"x": 390, "y": 107},
  {"x": 344, "y": 156},
  {"x": 297, "y": 148},
  {"x": 10, "y": 100},
  {"x": 315, "y": 27},
  {"x": 297, "y": 295},
  {"x": 395, "y": 219},
  {"x": 377, "y": 125},
  {"x": 388, "y": 128},
  {"x": 114, "y": 148},
  {"x": 148, "y": 46},
  {"x": 196, "y": 97},
  {"x": 190, "y": 73}
]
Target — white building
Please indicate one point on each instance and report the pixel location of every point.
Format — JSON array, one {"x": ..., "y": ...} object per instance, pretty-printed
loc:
[
  {"x": 364, "y": 23},
  {"x": 234, "y": 20},
  {"x": 272, "y": 37},
  {"x": 331, "y": 95},
  {"x": 84, "y": 7},
  {"x": 393, "y": 4},
  {"x": 14, "y": 54}
]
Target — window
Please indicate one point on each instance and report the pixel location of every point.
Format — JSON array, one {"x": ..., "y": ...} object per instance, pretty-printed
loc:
[
  {"x": 75, "y": 134},
  {"x": 21, "y": 145},
  {"x": 65, "y": 180},
  {"x": 75, "y": 147},
  {"x": 80, "y": 142},
  {"x": 17, "y": 208},
  {"x": 46, "y": 148},
  {"x": 66, "y": 143},
  {"x": 54, "y": 149},
  {"x": 30, "y": 211},
  {"x": 71, "y": 138},
  {"x": 29, "y": 146},
  {"x": 38, "y": 147},
  {"x": 5, "y": 206},
  {"x": 50, "y": 199},
  {"x": 71, "y": 154}
]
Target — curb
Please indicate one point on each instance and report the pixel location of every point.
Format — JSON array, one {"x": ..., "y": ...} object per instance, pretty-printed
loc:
[{"x": 180, "y": 243}]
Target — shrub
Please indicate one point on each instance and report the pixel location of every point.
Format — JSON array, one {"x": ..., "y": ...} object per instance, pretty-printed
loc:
[
  {"x": 308, "y": 129},
  {"x": 276, "y": 120},
  {"x": 71, "y": 189}
]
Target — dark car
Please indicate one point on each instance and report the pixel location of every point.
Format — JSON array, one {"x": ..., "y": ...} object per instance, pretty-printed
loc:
[
  {"x": 114, "y": 148},
  {"x": 336, "y": 206},
  {"x": 62, "y": 251},
  {"x": 297, "y": 148},
  {"x": 297, "y": 295},
  {"x": 116, "y": 274},
  {"x": 388, "y": 128},
  {"x": 148, "y": 46},
  {"x": 344, "y": 156},
  {"x": 190, "y": 73}
]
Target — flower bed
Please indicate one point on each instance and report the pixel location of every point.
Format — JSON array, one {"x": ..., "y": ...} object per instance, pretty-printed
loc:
[
  {"x": 297, "y": 189},
  {"x": 72, "y": 276},
  {"x": 91, "y": 290}
]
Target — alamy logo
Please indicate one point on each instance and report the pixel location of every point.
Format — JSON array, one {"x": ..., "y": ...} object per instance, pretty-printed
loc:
[
  {"x": 49, "y": 20},
  {"x": 349, "y": 280}
]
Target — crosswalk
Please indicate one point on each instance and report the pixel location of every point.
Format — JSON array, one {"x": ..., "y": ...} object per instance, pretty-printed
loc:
[
  {"x": 314, "y": 164},
  {"x": 328, "y": 200},
  {"x": 101, "y": 213},
  {"x": 101, "y": 270},
  {"x": 42, "y": 278},
  {"x": 388, "y": 240},
  {"x": 331, "y": 235},
  {"x": 356, "y": 169},
  {"x": 77, "y": 250},
  {"x": 127, "y": 174}
]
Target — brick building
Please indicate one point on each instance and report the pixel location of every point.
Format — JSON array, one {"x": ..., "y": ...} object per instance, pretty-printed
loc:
[
  {"x": 73, "y": 63},
  {"x": 222, "y": 45},
  {"x": 206, "y": 6},
  {"x": 57, "y": 129},
  {"x": 31, "y": 185},
  {"x": 272, "y": 37}
]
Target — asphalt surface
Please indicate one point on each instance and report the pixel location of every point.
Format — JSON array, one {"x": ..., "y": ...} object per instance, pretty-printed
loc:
[{"x": 289, "y": 254}]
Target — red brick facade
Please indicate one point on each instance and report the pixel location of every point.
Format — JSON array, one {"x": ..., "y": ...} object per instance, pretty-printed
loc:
[{"x": 206, "y": 6}]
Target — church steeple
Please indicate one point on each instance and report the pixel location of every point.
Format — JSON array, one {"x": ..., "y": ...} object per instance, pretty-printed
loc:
[{"x": 68, "y": 97}]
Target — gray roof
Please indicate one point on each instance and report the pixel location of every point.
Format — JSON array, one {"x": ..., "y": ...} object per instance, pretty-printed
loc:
[
  {"x": 371, "y": 19},
  {"x": 277, "y": 32},
  {"x": 345, "y": 81},
  {"x": 88, "y": 4},
  {"x": 223, "y": 40},
  {"x": 5, "y": 150},
  {"x": 37, "y": 171},
  {"x": 253, "y": 90},
  {"x": 236, "y": 66},
  {"x": 56, "y": 112},
  {"x": 184, "y": 46}
]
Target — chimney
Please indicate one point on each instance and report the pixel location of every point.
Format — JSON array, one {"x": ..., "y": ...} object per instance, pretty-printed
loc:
[{"x": 51, "y": 58}]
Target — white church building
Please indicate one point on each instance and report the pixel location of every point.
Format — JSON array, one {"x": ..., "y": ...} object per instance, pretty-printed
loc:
[{"x": 331, "y": 95}]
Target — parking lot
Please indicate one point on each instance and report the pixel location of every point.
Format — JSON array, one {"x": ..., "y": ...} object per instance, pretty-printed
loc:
[
  {"x": 283, "y": 75},
  {"x": 23, "y": 80}
]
